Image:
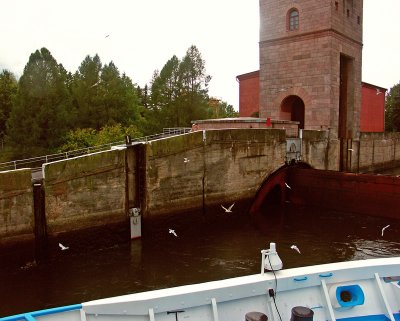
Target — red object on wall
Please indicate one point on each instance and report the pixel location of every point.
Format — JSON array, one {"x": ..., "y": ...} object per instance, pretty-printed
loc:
[
  {"x": 268, "y": 122},
  {"x": 249, "y": 94},
  {"x": 372, "y": 115}
]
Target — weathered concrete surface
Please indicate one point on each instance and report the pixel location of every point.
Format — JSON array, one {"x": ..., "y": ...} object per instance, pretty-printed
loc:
[
  {"x": 85, "y": 191},
  {"x": 319, "y": 150},
  {"x": 222, "y": 166},
  {"x": 16, "y": 205},
  {"x": 378, "y": 151},
  {"x": 211, "y": 167}
]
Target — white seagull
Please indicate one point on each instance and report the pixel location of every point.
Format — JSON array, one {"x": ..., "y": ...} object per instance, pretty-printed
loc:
[
  {"x": 186, "y": 160},
  {"x": 171, "y": 231},
  {"x": 351, "y": 149},
  {"x": 229, "y": 209},
  {"x": 96, "y": 84},
  {"x": 378, "y": 91},
  {"x": 62, "y": 247},
  {"x": 294, "y": 247},
  {"x": 383, "y": 230},
  {"x": 286, "y": 184}
]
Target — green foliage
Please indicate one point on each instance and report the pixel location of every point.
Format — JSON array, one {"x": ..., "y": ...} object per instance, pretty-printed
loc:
[
  {"x": 392, "y": 109},
  {"x": 50, "y": 107},
  {"x": 102, "y": 96},
  {"x": 87, "y": 137},
  {"x": 179, "y": 93},
  {"x": 41, "y": 114},
  {"x": 79, "y": 138},
  {"x": 8, "y": 91},
  {"x": 221, "y": 109}
]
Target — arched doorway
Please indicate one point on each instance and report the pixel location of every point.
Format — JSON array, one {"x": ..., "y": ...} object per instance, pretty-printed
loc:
[{"x": 292, "y": 108}]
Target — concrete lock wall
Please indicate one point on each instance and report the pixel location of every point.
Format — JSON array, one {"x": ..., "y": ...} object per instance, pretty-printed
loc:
[
  {"x": 319, "y": 150},
  {"x": 16, "y": 205},
  {"x": 175, "y": 174},
  {"x": 206, "y": 168},
  {"x": 378, "y": 151},
  {"x": 371, "y": 152},
  {"x": 85, "y": 191}
]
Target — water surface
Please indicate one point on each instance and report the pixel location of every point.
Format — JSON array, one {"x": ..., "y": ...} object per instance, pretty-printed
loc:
[{"x": 104, "y": 262}]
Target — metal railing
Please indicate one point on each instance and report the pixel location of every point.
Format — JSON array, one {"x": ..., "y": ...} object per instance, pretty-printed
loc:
[{"x": 35, "y": 163}]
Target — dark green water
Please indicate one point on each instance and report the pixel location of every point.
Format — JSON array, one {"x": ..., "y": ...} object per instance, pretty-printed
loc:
[{"x": 103, "y": 263}]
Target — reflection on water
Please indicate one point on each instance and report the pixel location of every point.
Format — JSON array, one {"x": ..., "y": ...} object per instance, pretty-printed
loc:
[{"x": 105, "y": 263}]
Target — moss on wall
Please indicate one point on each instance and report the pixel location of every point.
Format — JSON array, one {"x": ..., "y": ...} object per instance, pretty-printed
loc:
[
  {"x": 16, "y": 205},
  {"x": 85, "y": 191}
]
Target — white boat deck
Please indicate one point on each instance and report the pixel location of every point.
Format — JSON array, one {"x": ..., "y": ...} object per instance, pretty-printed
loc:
[{"x": 272, "y": 293}]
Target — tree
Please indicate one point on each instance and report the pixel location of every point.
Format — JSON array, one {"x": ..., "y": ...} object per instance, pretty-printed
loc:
[
  {"x": 194, "y": 95},
  {"x": 392, "y": 109},
  {"x": 221, "y": 109},
  {"x": 8, "y": 91},
  {"x": 179, "y": 93},
  {"x": 85, "y": 92},
  {"x": 42, "y": 112},
  {"x": 102, "y": 96}
]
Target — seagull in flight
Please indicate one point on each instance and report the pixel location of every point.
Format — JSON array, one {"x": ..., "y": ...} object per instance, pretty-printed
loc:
[
  {"x": 383, "y": 230},
  {"x": 186, "y": 160},
  {"x": 171, "y": 231},
  {"x": 229, "y": 209},
  {"x": 62, "y": 247},
  {"x": 96, "y": 84},
  {"x": 378, "y": 91},
  {"x": 294, "y": 247},
  {"x": 286, "y": 184},
  {"x": 351, "y": 149},
  {"x": 107, "y": 36}
]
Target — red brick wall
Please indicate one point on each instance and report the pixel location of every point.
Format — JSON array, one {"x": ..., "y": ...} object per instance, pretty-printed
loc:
[
  {"x": 249, "y": 94},
  {"x": 306, "y": 62},
  {"x": 372, "y": 118}
]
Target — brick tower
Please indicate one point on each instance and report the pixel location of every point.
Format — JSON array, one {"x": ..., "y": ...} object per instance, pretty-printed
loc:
[{"x": 310, "y": 63}]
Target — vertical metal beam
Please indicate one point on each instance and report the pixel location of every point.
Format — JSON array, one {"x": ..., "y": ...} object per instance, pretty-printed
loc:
[
  {"x": 383, "y": 295},
  {"x": 151, "y": 314},
  {"x": 215, "y": 309},
  {"x": 328, "y": 300}
]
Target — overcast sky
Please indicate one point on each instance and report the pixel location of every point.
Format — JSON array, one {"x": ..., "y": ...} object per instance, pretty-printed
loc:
[{"x": 141, "y": 36}]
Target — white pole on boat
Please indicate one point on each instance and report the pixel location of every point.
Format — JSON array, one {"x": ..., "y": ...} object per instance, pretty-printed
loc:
[{"x": 270, "y": 259}]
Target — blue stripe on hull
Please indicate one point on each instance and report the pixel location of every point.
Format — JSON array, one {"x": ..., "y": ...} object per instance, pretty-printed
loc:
[
  {"x": 30, "y": 316},
  {"x": 378, "y": 317}
]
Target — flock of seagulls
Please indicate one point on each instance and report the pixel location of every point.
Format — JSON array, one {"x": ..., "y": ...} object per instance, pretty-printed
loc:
[{"x": 229, "y": 210}]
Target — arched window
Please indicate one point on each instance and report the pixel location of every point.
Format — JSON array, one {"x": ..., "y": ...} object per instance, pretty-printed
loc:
[{"x": 293, "y": 20}]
